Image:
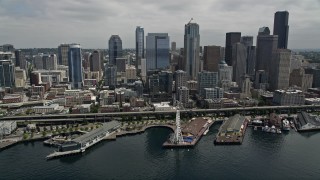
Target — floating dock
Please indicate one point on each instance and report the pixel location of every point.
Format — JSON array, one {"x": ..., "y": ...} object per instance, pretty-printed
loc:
[{"x": 191, "y": 132}]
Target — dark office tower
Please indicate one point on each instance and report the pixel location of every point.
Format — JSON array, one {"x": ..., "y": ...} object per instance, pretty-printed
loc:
[
  {"x": 94, "y": 62},
  {"x": 211, "y": 58},
  {"x": 192, "y": 50},
  {"x": 173, "y": 46},
  {"x": 121, "y": 64},
  {"x": 247, "y": 41},
  {"x": 157, "y": 53},
  {"x": 86, "y": 61},
  {"x": 20, "y": 59},
  {"x": 239, "y": 57},
  {"x": 63, "y": 51},
  {"x": 75, "y": 66},
  {"x": 280, "y": 71},
  {"x": 281, "y": 28},
  {"x": 110, "y": 75},
  {"x": 7, "y": 74},
  {"x": 115, "y": 49},
  {"x": 165, "y": 82},
  {"x": 251, "y": 61},
  {"x": 139, "y": 46},
  {"x": 231, "y": 38},
  {"x": 266, "y": 44}
]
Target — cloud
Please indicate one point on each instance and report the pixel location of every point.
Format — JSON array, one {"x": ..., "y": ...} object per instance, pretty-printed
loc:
[{"x": 46, "y": 23}]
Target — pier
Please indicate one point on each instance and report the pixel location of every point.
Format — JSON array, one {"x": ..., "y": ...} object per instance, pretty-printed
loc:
[
  {"x": 191, "y": 133},
  {"x": 232, "y": 131},
  {"x": 80, "y": 144}
]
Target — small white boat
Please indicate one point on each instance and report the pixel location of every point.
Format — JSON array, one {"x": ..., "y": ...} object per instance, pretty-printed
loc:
[
  {"x": 273, "y": 129},
  {"x": 205, "y": 132},
  {"x": 266, "y": 129},
  {"x": 285, "y": 125}
]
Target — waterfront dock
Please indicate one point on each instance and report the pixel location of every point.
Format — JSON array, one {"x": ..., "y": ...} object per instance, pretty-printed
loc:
[
  {"x": 7, "y": 144},
  {"x": 232, "y": 131},
  {"x": 80, "y": 144},
  {"x": 192, "y": 132}
]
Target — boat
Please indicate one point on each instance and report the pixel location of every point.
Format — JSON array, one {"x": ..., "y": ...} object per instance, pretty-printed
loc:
[
  {"x": 257, "y": 121},
  {"x": 291, "y": 124},
  {"x": 273, "y": 129},
  {"x": 255, "y": 128},
  {"x": 266, "y": 129},
  {"x": 285, "y": 125},
  {"x": 279, "y": 131},
  {"x": 206, "y": 131}
]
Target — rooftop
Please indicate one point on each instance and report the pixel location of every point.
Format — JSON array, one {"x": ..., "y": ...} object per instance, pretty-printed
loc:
[{"x": 96, "y": 132}]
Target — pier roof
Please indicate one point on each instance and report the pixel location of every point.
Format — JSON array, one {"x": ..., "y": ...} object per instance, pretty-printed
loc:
[{"x": 97, "y": 132}]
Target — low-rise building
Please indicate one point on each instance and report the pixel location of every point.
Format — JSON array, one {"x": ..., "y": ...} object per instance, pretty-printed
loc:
[
  {"x": 163, "y": 106},
  {"x": 288, "y": 97},
  {"x": 109, "y": 108},
  {"x": 47, "y": 109},
  {"x": 311, "y": 101},
  {"x": 12, "y": 98},
  {"x": 81, "y": 109},
  {"x": 7, "y": 127}
]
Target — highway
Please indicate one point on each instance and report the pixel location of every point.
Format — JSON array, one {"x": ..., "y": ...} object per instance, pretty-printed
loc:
[{"x": 109, "y": 116}]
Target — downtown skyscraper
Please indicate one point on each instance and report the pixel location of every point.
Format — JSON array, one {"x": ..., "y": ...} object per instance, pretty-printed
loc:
[
  {"x": 192, "y": 50},
  {"x": 115, "y": 48},
  {"x": 139, "y": 46},
  {"x": 266, "y": 44},
  {"x": 75, "y": 66},
  {"x": 157, "y": 51},
  {"x": 231, "y": 39},
  {"x": 7, "y": 73},
  {"x": 281, "y": 28},
  {"x": 63, "y": 51}
]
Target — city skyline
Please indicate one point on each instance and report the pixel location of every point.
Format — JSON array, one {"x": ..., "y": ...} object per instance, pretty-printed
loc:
[{"x": 34, "y": 21}]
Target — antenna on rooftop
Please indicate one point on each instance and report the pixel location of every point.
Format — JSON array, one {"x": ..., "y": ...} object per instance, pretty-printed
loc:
[{"x": 190, "y": 20}]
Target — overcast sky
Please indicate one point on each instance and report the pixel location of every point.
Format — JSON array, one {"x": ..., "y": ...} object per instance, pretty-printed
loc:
[{"x": 48, "y": 23}]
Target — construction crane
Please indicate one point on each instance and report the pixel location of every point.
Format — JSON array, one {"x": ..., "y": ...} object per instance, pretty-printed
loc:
[{"x": 190, "y": 20}]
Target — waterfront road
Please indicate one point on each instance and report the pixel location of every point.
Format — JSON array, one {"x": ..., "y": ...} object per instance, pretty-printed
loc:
[{"x": 109, "y": 116}]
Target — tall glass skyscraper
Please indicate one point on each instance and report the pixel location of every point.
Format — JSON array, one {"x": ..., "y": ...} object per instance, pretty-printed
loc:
[
  {"x": 115, "y": 48},
  {"x": 281, "y": 28},
  {"x": 192, "y": 50},
  {"x": 157, "y": 55},
  {"x": 7, "y": 73},
  {"x": 75, "y": 66},
  {"x": 139, "y": 46}
]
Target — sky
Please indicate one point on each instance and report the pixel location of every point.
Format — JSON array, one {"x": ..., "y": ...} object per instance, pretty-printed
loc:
[{"x": 48, "y": 23}]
